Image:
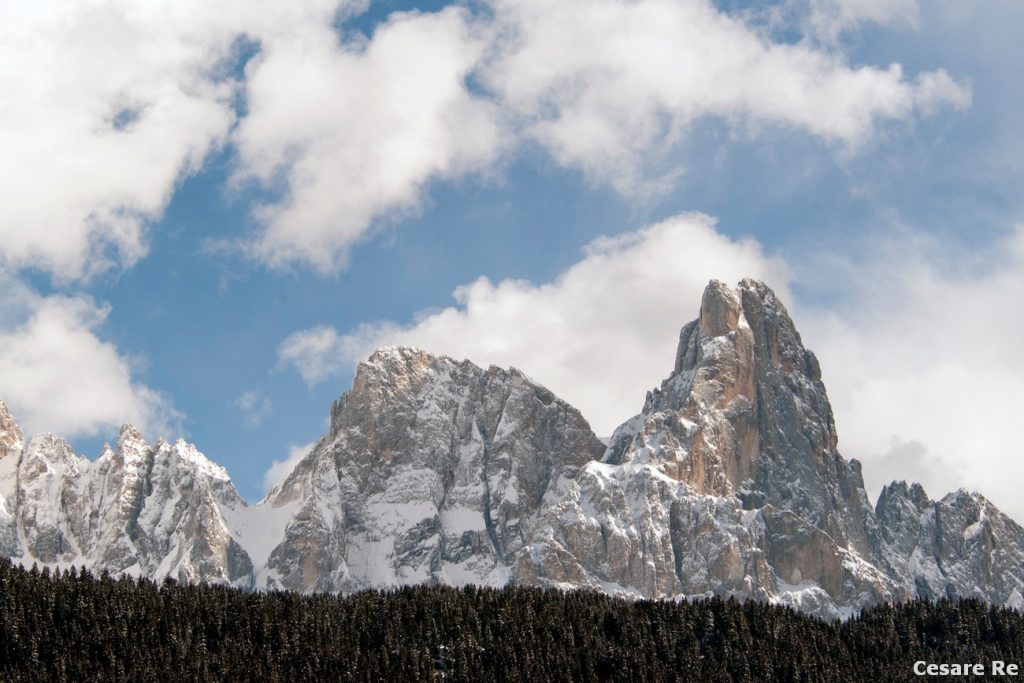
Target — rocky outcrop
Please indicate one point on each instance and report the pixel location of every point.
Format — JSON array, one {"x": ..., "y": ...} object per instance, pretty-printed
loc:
[
  {"x": 960, "y": 546},
  {"x": 728, "y": 482},
  {"x": 11, "y": 444},
  {"x": 138, "y": 510},
  {"x": 433, "y": 471},
  {"x": 730, "y": 476},
  {"x": 11, "y": 438}
]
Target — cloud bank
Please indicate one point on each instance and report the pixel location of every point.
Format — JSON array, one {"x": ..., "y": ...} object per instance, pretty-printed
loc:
[{"x": 923, "y": 363}]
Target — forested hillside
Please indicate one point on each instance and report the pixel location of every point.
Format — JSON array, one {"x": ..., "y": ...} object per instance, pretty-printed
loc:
[{"x": 75, "y": 626}]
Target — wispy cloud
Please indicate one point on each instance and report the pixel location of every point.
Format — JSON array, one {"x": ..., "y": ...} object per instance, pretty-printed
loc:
[
  {"x": 254, "y": 407},
  {"x": 320, "y": 352},
  {"x": 608, "y": 88},
  {"x": 614, "y": 88},
  {"x": 923, "y": 347}
]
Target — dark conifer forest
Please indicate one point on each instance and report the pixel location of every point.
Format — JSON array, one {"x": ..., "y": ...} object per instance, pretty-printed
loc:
[{"x": 74, "y": 626}]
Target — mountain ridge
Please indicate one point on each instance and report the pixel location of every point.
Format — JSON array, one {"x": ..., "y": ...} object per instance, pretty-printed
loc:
[{"x": 434, "y": 470}]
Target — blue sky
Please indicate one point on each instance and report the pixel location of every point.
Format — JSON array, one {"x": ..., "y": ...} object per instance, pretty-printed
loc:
[{"x": 214, "y": 209}]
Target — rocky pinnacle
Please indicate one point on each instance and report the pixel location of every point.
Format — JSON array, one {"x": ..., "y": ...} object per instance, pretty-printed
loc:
[{"x": 11, "y": 438}]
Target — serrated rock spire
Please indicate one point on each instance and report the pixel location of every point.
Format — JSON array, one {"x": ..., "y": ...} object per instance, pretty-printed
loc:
[
  {"x": 11, "y": 439},
  {"x": 720, "y": 309}
]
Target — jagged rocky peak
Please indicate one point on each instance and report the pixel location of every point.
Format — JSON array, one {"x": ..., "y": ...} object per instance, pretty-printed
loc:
[
  {"x": 401, "y": 392},
  {"x": 730, "y": 475},
  {"x": 392, "y": 366},
  {"x": 720, "y": 309},
  {"x": 432, "y": 471},
  {"x": 11, "y": 438},
  {"x": 726, "y": 315},
  {"x": 959, "y": 546},
  {"x": 153, "y": 511},
  {"x": 130, "y": 442},
  {"x": 899, "y": 496},
  {"x": 389, "y": 374},
  {"x": 44, "y": 452},
  {"x": 745, "y": 413},
  {"x": 131, "y": 456}
]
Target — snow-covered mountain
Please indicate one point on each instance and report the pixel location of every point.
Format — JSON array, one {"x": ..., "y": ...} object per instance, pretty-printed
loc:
[
  {"x": 438, "y": 471},
  {"x": 141, "y": 510}
]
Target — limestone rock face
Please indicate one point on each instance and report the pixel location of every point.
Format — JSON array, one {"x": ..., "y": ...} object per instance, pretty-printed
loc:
[
  {"x": 728, "y": 482},
  {"x": 144, "y": 511},
  {"x": 11, "y": 444},
  {"x": 720, "y": 309},
  {"x": 11, "y": 438},
  {"x": 960, "y": 546},
  {"x": 433, "y": 471}
]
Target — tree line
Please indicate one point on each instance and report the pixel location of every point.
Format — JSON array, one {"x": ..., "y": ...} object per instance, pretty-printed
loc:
[{"x": 73, "y": 625}]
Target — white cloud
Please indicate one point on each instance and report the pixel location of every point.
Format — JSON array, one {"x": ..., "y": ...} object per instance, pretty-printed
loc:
[
  {"x": 355, "y": 130},
  {"x": 352, "y": 132},
  {"x": 613, "y": 87},
  {"x": 106, "y": 106},
  {"x": 58, "y": 376},
  {"x": 109, "y": 104},
  {"x": 254, "y": 406},
  {"x": 925, "y": 348},
  {"x": 280, "y": 469},
  {"x": 599, "y": 336},
  {"x": 320, "y": 352}
]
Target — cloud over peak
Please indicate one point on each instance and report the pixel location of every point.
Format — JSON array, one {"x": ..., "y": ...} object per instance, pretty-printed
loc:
[
  {"x": 599, "y": 335},
  {"x": 920, "y": 354}
]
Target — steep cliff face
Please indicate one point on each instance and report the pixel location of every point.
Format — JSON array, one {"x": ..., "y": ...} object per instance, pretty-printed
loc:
[
  {"x": 138, "y": 510},
  {"x": 433, "y": 471},
  {"x": 745, "y": 413},
  {"x": 728, "y": 482},
  {"x": 730, "y": 476},
  {"x": 960, "y": 546},
  {"x": 11, "y": 444}
]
